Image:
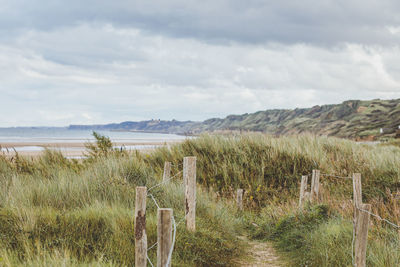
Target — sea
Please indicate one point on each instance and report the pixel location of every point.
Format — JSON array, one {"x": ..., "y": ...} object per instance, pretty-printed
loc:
[{"x": 34, "y": 138}]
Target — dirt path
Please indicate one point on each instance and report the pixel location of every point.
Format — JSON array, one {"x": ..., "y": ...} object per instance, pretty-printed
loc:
[{"x": 259, "y": 254}]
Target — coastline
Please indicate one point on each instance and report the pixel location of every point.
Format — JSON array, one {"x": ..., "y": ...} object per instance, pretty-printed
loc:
[{"x": 73, "y": 149}]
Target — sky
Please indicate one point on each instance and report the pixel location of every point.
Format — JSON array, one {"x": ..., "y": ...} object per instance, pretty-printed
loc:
[{"x": 98, "y": 61}]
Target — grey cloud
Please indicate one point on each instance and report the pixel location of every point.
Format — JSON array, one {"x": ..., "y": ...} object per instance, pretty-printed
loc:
[
  {"x": 105, "y": 61},
  {"x": 324, "y": 22},
  {"x": 77, "y": 75}
]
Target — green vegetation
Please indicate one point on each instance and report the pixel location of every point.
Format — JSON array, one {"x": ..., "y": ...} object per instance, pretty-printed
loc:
[
  {"x": 54, "y": 211},
  {"x": 58, "y": 211},
  {"x": 350, "y": 119},
  {"x": 269, "y": 169}
]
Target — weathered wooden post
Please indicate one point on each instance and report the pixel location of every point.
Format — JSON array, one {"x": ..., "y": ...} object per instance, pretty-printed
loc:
[
  {"x": 361, "y": 234},
  {"x": 189, "y": 178},
  {"x": 167, "y": 171},
  {"x": 315, "y": 185},
  {"x": 140, "y": 227},
  {"x": 357, "y": 193},
  {"x": 303, "y": 189},
  {"x": 307, "y": 196},
  {"x": 239, "y": 199},
  {"x": 164, "y": 236}
]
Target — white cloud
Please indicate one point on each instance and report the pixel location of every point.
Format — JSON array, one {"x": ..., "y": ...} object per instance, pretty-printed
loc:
[{"x": 110, "y": 69}]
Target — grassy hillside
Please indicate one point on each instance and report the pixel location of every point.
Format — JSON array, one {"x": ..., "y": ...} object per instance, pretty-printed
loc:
[
  {"x": 157, "y": 126},
  {"x": 56, "y": 211},
  {"x": 351, "y": 119}
]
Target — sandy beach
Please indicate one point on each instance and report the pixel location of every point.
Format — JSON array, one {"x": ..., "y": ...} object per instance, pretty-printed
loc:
[{"x": 72, "y": 149}]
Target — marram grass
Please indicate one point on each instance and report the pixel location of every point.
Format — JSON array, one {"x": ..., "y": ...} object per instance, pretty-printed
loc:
[
  {"x": 55, "y": 211},
  {"x": 81, "y": 214}
]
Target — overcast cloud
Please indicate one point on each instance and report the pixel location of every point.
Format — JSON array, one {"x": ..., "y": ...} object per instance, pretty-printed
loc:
[{"x": 109, "y": 61}]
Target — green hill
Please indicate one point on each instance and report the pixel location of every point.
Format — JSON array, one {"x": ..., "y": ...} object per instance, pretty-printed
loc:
[{"x": 350, "y": 119}]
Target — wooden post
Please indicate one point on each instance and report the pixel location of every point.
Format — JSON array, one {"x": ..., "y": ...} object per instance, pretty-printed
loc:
[
  {"x": 140, "y": 227},
  {"x": 189, "y": 177},
  {"x": 167, "y": 171},
  {"x": 307, "y": 196},
  {"x": 315, "y": 185},
  {"x": 321, "y": 192},
  {"x": 357, "y": 194},
  {"x": 239, "y": 199},
  {"x": 303, "y": 189},
  {"x": 361, "y": 235},
  {"x": 164, "y": 236}
]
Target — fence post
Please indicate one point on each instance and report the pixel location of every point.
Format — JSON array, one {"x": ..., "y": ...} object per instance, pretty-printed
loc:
[
  {"x": 164, "y": 236},
  {"x": 303, "y": 189},
  {"x": 189, "y": 178},
  {"x": 140, "y": 227},
  {"x": 362, "y": 235},
  {"x": 239, "y": 199},
  {"x": 357, "y": 194},
  {"x": 307, "y": 196},
  {"x": 315, "y": 185},
  {"x": 167, "y": 171}
]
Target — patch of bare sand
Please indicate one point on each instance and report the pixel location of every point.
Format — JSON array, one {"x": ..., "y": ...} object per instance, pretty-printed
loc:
[{"x": 259, "y": 254}]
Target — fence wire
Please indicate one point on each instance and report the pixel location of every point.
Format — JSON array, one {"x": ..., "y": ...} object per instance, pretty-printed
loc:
[
  {"x": 154, "y": 200},
  {"x": 148, "y": 259},
  {"x": 335, "y": 176},
  {"x": 152, "y": 246},
  {"x": 379, "y": 217},
  {"x": 173, "y": 244},
  {"x": 163, "y": 182},
  {"x": 360, "y": 209},
  {"x": 176, "y": 164},
  {"x": 174, "y": 224}
]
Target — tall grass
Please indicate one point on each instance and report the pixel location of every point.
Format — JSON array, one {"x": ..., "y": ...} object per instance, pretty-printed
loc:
[
  {"x": 58, "y": 211},
  {"x": 269, "y": 169},
  {"x": 55, "y": 211}
]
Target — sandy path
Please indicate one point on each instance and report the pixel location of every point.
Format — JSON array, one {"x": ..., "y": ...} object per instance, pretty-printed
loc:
[{"x": 260, "y": 254}]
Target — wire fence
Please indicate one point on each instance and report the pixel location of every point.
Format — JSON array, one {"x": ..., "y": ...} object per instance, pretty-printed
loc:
[
  {"x": 165, "y": 181},
  {"x": 378, "y": 217},
  {"x": 174, "y": 224},
  {"x": 179, "y": 164},
  {"x": 335, "y": 176}
]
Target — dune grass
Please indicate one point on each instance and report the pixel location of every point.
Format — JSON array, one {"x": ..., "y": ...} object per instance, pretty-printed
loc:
[
  {"x": 80, "y": 213},
  {"x": 55, "y": 211},
  {"x": 269, "y": 169}
]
